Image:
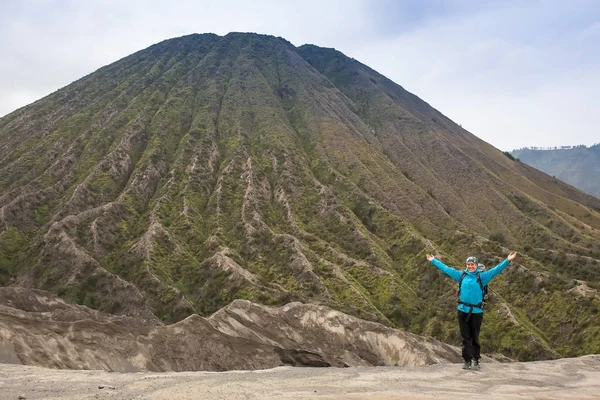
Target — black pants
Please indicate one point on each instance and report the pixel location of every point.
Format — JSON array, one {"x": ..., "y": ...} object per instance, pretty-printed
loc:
[{"x": 469, "y": 331}]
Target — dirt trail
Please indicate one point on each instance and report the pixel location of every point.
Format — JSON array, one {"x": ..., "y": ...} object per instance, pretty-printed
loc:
[{"x": 575, "y": 378}]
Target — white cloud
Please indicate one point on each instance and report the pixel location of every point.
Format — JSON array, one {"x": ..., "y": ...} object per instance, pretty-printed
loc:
[
  {"x": 510, "y": 89},
  {"x": 47, "y": 45},
  {"x": 514, "y": 73}
]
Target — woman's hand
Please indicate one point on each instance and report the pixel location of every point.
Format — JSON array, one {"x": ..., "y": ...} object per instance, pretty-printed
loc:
[
  {"x": 429, "y": 257},
  {"x": 512, "y": 256}
]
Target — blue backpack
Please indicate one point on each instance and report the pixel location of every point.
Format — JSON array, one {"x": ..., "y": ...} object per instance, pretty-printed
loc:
[{"x": 484, "y": 289}]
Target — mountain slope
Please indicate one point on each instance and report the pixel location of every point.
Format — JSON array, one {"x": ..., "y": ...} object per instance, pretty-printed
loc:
[
  {"x": 578, "y": 166},
  {"x": 205, "y": 169}
]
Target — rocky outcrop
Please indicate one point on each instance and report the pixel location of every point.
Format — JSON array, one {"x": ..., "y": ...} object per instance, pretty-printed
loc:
[
  {"x": 37, "y": 328},
  {"x": 345, "y": 340}
]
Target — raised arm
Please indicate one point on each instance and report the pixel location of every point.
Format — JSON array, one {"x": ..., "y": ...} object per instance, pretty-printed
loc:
[
  {"x": 451, "y": 272},
  {"x": 487, "y": 276}
]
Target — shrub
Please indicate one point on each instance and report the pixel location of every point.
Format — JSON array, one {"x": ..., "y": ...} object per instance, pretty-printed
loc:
[
  {"x": 498, "y": 237},
  {"x": 507, "y": 154}
]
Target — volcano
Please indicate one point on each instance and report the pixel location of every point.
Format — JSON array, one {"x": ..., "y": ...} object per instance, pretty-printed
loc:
[{"x": 209, "y": 168}]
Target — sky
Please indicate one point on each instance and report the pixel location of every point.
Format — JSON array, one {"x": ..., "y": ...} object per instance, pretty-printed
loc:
[{"x": 515, "y": 73}]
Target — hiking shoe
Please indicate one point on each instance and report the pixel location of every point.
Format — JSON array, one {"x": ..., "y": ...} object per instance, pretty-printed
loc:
[
  {"x": 475, "y": 364},
  {"x": 466, "y": 365}
]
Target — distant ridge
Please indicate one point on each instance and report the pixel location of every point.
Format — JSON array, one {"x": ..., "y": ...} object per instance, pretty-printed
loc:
[{"x": 577, "y": 165}]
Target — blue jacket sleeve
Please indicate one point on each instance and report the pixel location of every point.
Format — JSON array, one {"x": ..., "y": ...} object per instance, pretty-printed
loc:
[
  {"x": 451, "y": 272},
  {"x": 487, "y": 276}
]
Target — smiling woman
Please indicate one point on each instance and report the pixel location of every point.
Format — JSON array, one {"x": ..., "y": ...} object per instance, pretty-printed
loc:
[{"x": 470, "y": 302}]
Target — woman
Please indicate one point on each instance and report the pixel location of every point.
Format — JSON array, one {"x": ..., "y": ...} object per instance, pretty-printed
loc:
[{"x": 470, "y": 302}]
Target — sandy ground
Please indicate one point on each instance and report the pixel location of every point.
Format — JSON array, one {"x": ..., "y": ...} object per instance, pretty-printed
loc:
[{"x": 576, "y": 378}]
